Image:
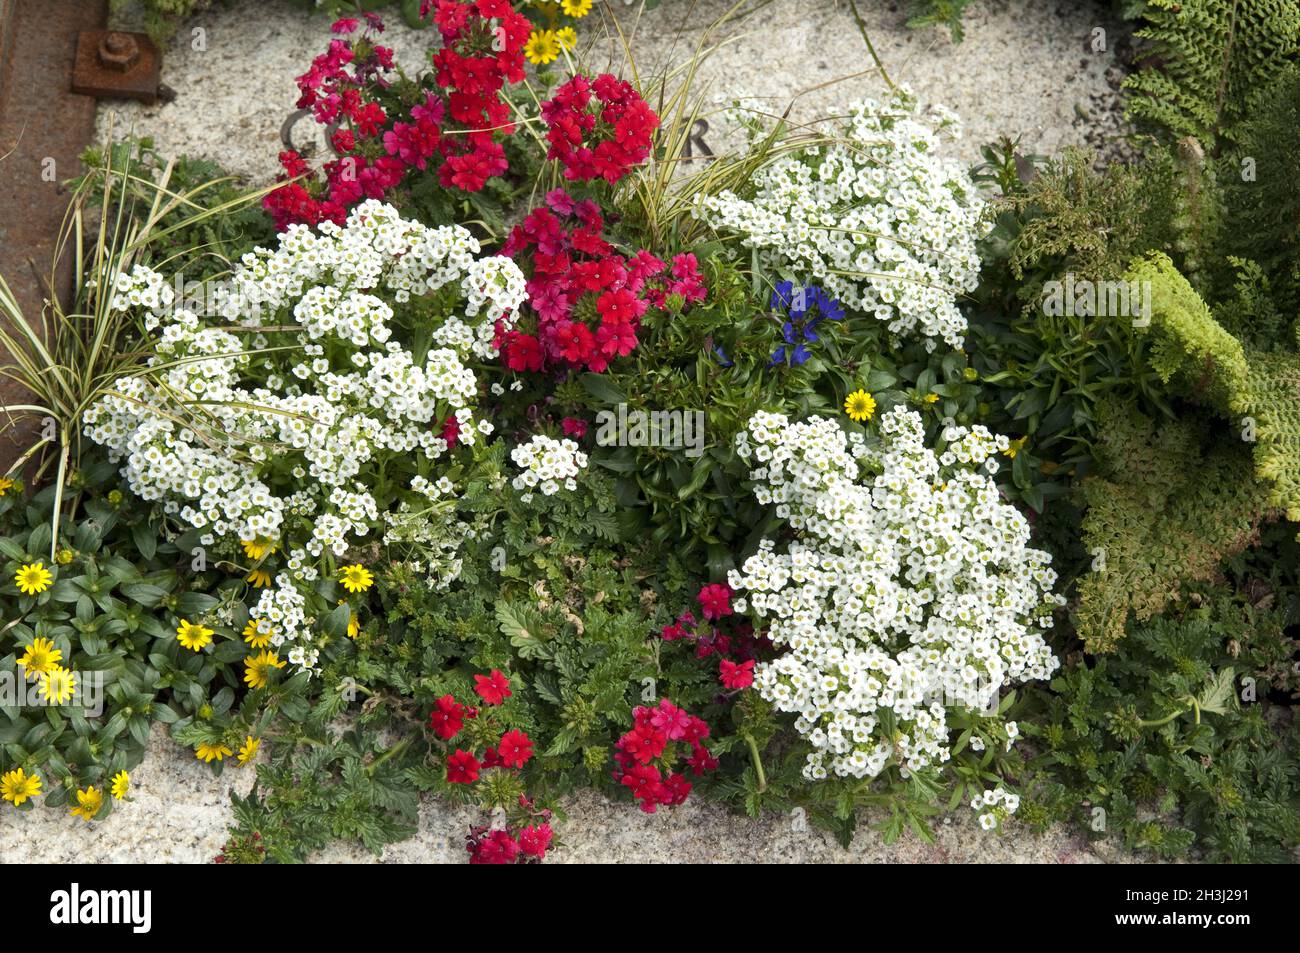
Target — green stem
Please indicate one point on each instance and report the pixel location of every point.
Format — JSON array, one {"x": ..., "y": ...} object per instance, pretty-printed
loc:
[
  {"x": 390, "y": 753},
  {"x": 862, "y": 28},
  {"x": 758, "y": 763},
  {"x": 1156, "y": 723}
]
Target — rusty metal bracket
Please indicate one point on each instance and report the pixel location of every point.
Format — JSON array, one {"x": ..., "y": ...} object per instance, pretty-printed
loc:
[{"x": 111, "y": 64}]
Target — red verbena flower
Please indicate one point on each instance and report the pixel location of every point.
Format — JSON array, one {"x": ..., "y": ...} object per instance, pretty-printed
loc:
[
  {"x": 715, "y": 601},
  {"x": 515, "y": 749},
  {"x": 492, "y": 847},
  {"x": 493, "y": 688},
  {"x": 462, "y": 767},
  {"x": 598, "y": 128},
  {"x": 737, "y": 676},
  {"x": 447, "y": 717},
  {"x": 534, "y": 841}
]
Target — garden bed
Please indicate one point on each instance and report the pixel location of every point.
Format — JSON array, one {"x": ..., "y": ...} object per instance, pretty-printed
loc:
[{"x": 667, "y": 432}]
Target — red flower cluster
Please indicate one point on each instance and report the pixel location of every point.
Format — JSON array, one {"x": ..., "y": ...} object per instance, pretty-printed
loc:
[
  {"x": 526, "y": 845},
  {"x": 649, "y": 747},
  {"x": 483, "y": 49},
  {"x": 483, "y": 44},
  {"x": 739, "y": 642},
  {"x": 598, "y": 129},
  {"x": 448, "y": 718},
  {"x": 529, "y": 840},
  {"x": 588, "y": 298}
]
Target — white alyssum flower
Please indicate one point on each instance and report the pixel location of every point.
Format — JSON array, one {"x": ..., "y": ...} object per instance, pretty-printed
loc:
[
  {"x": 547, "y": 464},
  {"x": 876, "y": 217},
  {"x": 272, "y": 421},
  {"x": 994, "y": 806},
  {"x": 911, "y": 588}
]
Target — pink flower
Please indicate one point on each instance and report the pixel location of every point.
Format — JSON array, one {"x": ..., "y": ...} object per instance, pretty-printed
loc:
[
  {"x": 715, "y": 601},
  {"x": 670, "y": 720},
  {"x": 534, "y": 841}
]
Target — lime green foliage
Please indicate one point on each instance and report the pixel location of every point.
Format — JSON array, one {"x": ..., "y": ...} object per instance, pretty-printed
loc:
[
  {"x": 1172, "y": 743},
  {"x": 1164, "y": 512},
  {"x": 1258, "y": 390},
  {"x": 1213, "y": 57},
  {"x": 1189, "y": 343},
  {"x": 1272, "y": 401}
]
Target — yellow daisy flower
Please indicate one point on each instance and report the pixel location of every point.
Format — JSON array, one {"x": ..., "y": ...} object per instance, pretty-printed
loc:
[
  {"x": 354, "y": 624},
  {"x": 193, "y": 636},
  {"x": 257, "y": 668},
  {"x": 17, "y": 786},
  {"x": 207, "y": 752},
  {"x": 260, "y": 578},
  {"x": 248, "y": 751},
  {"x": 1016, "y": 447},
  {"x": 542, "y": 47},
  {"x": 65, "y": 556},
  {"x": 41, "y": 656},
  {"x": 58, "y": 685},
  {"x": 357, "y": 578},
  {"x": 859, "y": 406},
  {"x": 121, "y": 784},
  {"x": 930, "y": 398},
  {"x": 6, "y": 485},
  {"x": 576, "y": 8},
  {"x": 567, "y": 37},
  {"x": 33, "y": 578},
  {"x": 258, "y": 547},
  {"x": 258, "y": 640},
  {"x": 89, "y": 802}
]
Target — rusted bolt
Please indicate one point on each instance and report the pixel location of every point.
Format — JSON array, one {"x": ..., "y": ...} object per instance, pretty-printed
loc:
[{"x": 119, "y": 51}]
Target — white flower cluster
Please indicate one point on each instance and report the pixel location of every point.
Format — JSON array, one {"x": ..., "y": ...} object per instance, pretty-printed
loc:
[
  {"x": 547, "y": 464},
  {"x": 987, "y": 806},
  {"x": 911, "y": 589},
  {"x": 273, "y": 423},
  {"x": 876, "y": 217},
  {"x": 141, "y": 288}
]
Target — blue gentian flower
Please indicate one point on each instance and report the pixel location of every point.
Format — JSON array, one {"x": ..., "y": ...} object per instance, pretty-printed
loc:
[{"x": 798, "y": 303}]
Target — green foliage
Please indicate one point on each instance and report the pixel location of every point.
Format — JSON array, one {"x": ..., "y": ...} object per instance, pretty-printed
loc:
[
  {"x": 1169, "y": 505},
  {"x": 1212, "y": 59},
  {"x": 945, "y": 13},
  {"x": 1262, "y": 203},
  {"x": 1190, "y": 345},
  {"x": 120, "y": 585},
  {"x": 571, "y": 618},
  {"x": 1057, "y": 220},
  {"x": 1257, "y": 390},
  {"x": 160, "y": 17},
  {"x": 1173, "y": 743},
  {"x": 218, "y": 221}
]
